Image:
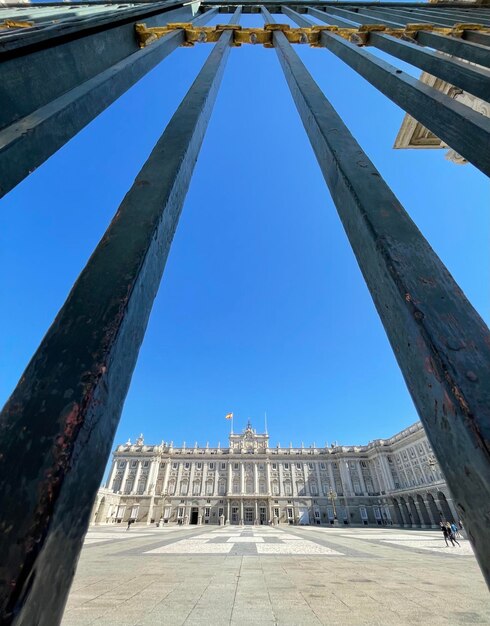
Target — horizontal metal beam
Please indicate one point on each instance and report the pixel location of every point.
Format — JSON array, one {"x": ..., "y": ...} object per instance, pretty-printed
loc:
[
  {"x": 463, "y": 49},
  {"x": 29, "y": 81},
  {"x": 441, "y": 344},
  {"x": 460, "y": 74},
  {"x": 41, "y": 35},
  {"x": 57, "y": 428},
  {"x": 28, "y": 142}
]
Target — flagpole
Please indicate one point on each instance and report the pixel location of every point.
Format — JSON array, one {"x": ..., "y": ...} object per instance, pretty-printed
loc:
[
  {"x": 265, "y": 422},
  {"x": 231, "y": 424}
]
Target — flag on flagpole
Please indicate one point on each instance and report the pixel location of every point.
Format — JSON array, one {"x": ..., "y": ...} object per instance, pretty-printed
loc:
[{"x": 229, "y": 416}]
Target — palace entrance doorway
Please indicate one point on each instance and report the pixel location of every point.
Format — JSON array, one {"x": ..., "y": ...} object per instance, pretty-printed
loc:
[
  {"x": 249, "y": 515},
  {"x": 194, "y": 515}
]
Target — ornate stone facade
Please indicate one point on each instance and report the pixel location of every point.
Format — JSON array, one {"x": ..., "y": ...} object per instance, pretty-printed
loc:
[{"x": 392, "y": 481}]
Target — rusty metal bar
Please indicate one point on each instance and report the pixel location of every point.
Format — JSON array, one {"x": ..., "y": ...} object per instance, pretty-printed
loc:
[
  {"x": 441, "y": 343},
  {"x": 57, "y": 428}
]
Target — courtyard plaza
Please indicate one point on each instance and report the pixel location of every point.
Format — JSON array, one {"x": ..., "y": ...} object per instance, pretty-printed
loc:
[{"x": 287, "y": 575}]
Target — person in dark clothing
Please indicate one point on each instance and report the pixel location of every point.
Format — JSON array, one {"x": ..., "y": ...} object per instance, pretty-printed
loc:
[
  {"x": 445, "y": 533},
  {"x": 451, "y": 535}
]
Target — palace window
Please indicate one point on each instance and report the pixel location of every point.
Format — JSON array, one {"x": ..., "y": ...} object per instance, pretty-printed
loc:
[
  {"x": 290, "y": 513},
  {"x": 322, "y": 465},
  {"x": 314, "y": 489},
  {"x": 211, "y": 466},
  {"x": 262, "y": 486},
  {"x": 310, "y": 466},
  {"x": 199, "y": 465},
  {"x": 196, "y": 488},
  {"x": 287, "y": 488},
  {"x": 207, "y": 511},
  {"x": 286, "y": 466},
  {"x": 300, "y": 486},
  {"x": 221, "y": 488},
  {"x": 235, "y": 466},
  {"x": 134, "y": 463},
  {"x": 236, "y": 486},
  {"x": 146, "y": 463},
  {"x": 184, "y": 488},
  {"x": 275, "y": 488},
  {"x": 122, "y": 463},
  {"x": 274, "y": 466},
  {"x": 175, "y": 465},
  {"x": 209, "y": 488},
  {"x": 180, "y": 512},
  {"x": 223, "y": 466},
  {"x": 187, "y": 465},
  {"x": 298, "y": 466}
]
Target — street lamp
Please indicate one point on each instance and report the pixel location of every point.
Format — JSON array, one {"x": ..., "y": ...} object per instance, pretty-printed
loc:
[{"x": 332, "y": 495}]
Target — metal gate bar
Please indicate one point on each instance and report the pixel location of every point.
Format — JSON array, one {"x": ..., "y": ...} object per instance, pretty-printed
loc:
[
  {"x": 53, "y": 443},
  {"x": 436, "y": 335}
]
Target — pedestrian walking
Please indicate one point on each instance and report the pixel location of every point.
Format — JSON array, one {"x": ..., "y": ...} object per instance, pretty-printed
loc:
[
  {"x": 455, "y": 530},
  {"x": 451, "y": 535},
  {"x": 445, "y": 533}
]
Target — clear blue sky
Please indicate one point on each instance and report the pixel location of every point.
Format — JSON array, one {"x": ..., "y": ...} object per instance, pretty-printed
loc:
[{"x": 262, "y": 306}]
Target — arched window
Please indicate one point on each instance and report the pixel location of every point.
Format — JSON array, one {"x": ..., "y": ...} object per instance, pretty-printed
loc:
[
  {"x": 171, "y": 487},
  {"x": 196, "y": 488},
  {"x": 209, "y": 487},
  {"x": 222, "y": 487},
  {"x": 184, "y": 488}
]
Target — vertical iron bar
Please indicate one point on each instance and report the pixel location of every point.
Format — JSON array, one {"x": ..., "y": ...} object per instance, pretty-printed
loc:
[
  {"x": 28, "y": 142},
  {"x": 441, "y": 343},
  {"x": 57, "y": 428}
]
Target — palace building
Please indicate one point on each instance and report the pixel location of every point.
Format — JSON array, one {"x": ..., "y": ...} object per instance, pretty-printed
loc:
[{"x": 394, "y": 481}]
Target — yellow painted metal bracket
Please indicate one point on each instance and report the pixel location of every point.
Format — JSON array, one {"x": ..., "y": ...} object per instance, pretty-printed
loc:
[
  {"x": 311, "y": 35},
  {"x": 14, "y": 24}
]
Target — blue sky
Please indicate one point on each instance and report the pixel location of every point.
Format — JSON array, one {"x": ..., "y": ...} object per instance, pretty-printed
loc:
[{"x": 262, "y": 306}]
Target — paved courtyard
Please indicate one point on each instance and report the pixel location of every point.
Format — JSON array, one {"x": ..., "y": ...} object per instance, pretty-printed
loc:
[{"x": 287, "y": 575}]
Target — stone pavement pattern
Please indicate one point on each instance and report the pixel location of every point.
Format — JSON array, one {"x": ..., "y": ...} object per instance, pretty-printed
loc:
[{"x": 261, "y": 575}]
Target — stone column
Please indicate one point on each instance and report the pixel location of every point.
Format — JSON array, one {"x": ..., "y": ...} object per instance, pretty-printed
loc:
[
  {"x": 385, "y": 467},
  {"x": 112, "y": 475},
  {"x": 152, "y": 474},
  {"x": 125, "y": 476},
  {"x": 204, "y": 479},
  {"x": 242, "y": 477},
  {"x": 256, "y": 478},
  {"x": 361, "y": 478},
  {"x": 256, "y": 512},
  {"x": 228, "y": 518},
  {"x": 137, "y": 477},
  {"x": 230, "y": 478},
  {"x": 268, "y": 477},
  {"x": 281, "y": 478},
  {"x": 345, "y": 477},
  {"x": 241, "y": 511},
  {"x": 166, "y": 476}
]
